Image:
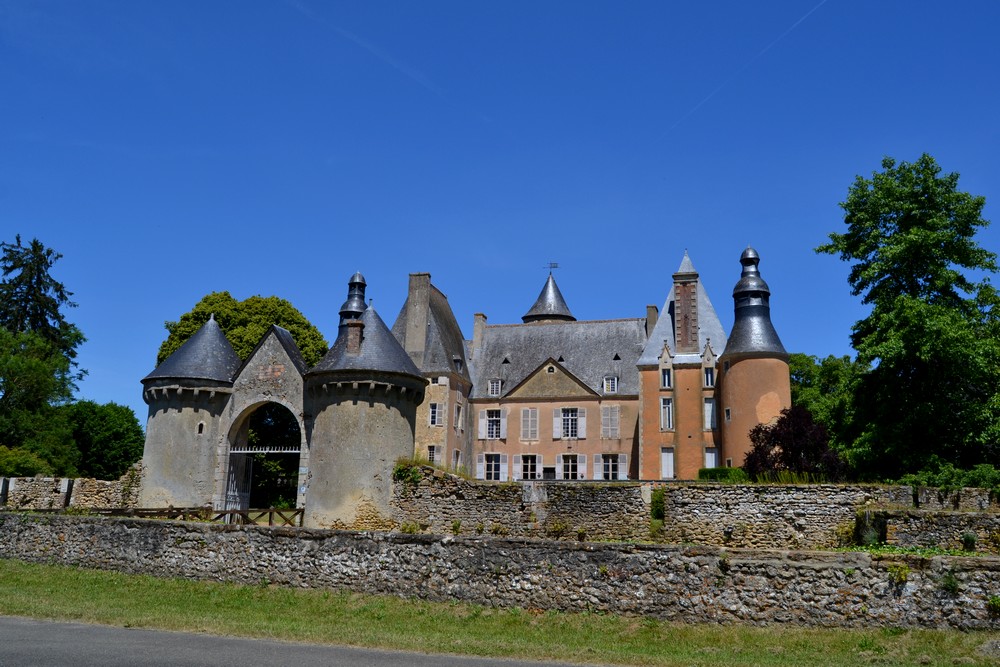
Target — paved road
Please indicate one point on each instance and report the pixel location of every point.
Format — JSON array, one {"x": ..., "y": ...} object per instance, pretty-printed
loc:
[{"x": 29, "y": 643}]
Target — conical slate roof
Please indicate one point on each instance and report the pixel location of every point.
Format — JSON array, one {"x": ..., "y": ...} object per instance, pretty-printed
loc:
[
  {"x": 207, "y": 355},
  {"x": 753, "y": 334},
  {"x": 687, "y": 266},
  {"x": 550, "y": 305},
  {"x": 380, "y": 351}
]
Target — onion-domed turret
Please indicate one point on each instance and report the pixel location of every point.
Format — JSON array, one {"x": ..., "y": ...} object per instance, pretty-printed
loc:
[{"x": 753, "y": 334}]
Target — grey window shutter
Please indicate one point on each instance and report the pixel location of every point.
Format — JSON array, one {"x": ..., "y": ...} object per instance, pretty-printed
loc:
[
  {"x": 482, "y": 424},
  {"x": 503, "y": 467},
  {"x": 516, "y": 472},
  {"x": 582, "y": 424},
  {"x": 581, "y": 461},
  {"x": 480, "y": 466},
  {"x": 623, "y": 466},
  {"x": 559, "y": 464},
  {"x": 598, "y": 466},
  {"x": 557, "y": 423},
  {"x": 503, "y": 423}
]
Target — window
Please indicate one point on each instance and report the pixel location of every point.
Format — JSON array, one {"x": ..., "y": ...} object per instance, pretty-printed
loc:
[
  {"x": 666, "y": 463},
  {"x": 665, "y": 378},
  {"x": 611, "y": 384},
  {"x": 529, "y": 423},
  {"x": 729, "y": 415},
  {"x": 610, "y": 419},
  {"x": 456, "y": 459},
  {"x": 458, "y": 418},
  {"x": 569, "y": 423},
  {"x": 493, "y": 388},
  {"x": 610, "y": 466},
  {"x": 436, "y": 414},
  {"x": 529, "y": 466},
  {"x": 493, "y": 467},
  {"x": 710, "y": 422},
  {"x": 709, "y": 377},
  {"x": 666, "y": 414},
  {"x": 432, "y": 453},
  {"x": 569, "y": 466},
  {"x": 201, "y": 428},
  {"x": 550, "y": 369},
  {"x": 711, "y": 457}
]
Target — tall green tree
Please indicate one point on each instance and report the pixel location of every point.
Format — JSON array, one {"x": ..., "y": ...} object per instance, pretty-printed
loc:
[
  {"x": 108, "y": 437},
  {"x": 933, "y": 335},
  {"x": 32, "y": 300},
  {"x": 827, "y": 388},
  {"x": 245, "y": 323}
]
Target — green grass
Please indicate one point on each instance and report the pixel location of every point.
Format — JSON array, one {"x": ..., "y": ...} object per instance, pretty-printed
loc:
[{"x": 54, "y": 592}]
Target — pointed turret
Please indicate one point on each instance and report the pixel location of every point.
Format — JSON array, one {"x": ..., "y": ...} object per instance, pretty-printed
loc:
[
  {"x": 753, "y": 334},
  {"x": 549, "y": 306},
  {"x": 355, "y": 304},
  {"x": 207, "y": 355}
]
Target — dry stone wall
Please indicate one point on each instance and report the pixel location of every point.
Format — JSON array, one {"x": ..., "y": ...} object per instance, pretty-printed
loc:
[
  {"x": 685, "y": 584},
  {"x": 44, "y": 493}
]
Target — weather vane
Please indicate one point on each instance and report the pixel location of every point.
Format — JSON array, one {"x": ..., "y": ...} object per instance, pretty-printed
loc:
[{"x": 552, "y": 265}]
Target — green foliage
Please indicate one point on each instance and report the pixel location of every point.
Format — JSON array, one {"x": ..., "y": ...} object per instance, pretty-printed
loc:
[
  {"x": 794, "y": 444},
  {"x": 933, "y": 334},
  {"x": 899, "y": 573},
  {"x": 409, "y": 528},
  {"x": 245, "y": 323},
  {"x": 108, "y": 437},
  {"x": 949, "y": 583},
  {"x": 656, "y": 503},
  {"x": 408, "y": 472},
  {"x": 723, "y": 475},
  {"x": 456, "y": 527},
  {"x": 969, "y": 541},
  {"x": 947, "y": 477},
  {"x": 827, "y": 388},
  {"x": 22, "y": 463},
  {"x": 993, "y": 606}
]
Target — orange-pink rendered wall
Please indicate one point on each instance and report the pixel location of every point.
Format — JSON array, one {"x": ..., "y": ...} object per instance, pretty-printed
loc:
[{"x": 753, "y": 391}]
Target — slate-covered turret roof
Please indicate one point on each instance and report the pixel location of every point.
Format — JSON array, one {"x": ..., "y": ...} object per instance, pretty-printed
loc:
[
  {"x": 710, "y": 330},
  {"x": 550, "y": 305},
  {"x": 444, "y": 346},
  {"x": 587, "y": 349},
  {"x": 753, "y": 334},
  {"x": 380, "y": 351},
  {"x": 207, "y": 355}
]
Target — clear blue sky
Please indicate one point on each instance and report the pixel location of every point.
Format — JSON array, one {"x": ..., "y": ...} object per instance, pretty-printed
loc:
[{"x": 171, "y": 149}]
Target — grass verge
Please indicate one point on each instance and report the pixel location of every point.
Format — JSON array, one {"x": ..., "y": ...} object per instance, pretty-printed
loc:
[{"x": 63, "y": 593}]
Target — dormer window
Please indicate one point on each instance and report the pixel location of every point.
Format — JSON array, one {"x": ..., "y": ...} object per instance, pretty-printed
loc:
[
  {"x": 611, "y": 384},
  {"x": 666, "y": 379},
  {"x": 550, "y": 369},
  {"x": 709, "y": 377},
  {"x": 493, "y": 387}
]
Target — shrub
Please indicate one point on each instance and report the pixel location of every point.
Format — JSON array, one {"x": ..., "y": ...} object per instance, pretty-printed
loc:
[
  {"x": 993, "y": 606},
  {"x": 456, "y": 527},
  {"x": 655, "y": 528},
  {"x": 949, "y": 583},
  {"x": 969, "y": 541},
  {"x": 899, "y": 573},
  {"x": 656, "y": 504},
  {"x": 409, "y": 528},
  {"x": 723, "y": 475}
]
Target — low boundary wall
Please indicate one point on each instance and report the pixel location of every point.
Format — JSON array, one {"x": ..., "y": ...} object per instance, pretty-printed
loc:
[{"x": 685, "y": 584}]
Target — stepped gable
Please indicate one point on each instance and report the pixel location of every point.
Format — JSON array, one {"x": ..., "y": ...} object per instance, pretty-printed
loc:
[
  {"x": 710, "y": 330},
  {"x": 586, "y": 349},
  {"x": 753, "y": 333},
  {"x": 444, "y": 341},
  {"x": 550, "y": 305},
  {"x": 207, "y": 355}
]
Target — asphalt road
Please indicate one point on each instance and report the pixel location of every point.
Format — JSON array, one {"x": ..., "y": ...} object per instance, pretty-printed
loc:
[{"x": 30, "y": 643}]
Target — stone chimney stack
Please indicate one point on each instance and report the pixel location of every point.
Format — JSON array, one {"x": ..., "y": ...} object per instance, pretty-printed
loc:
[{"x": 355, "y": 331}]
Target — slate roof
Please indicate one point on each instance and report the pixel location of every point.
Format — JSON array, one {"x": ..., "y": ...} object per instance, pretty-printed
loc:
[
  {"x": 753, "y": 333},
  {"x": 586, "y": 349},
  {"x": 286, "y": 341},
  {"x": 380, "y": 351},
  {"x": 550, "y": 305},
  {"x": 444, "y": 336},
  {"x": 207, "y": 355},
  {"x": 709, "y": 326}
]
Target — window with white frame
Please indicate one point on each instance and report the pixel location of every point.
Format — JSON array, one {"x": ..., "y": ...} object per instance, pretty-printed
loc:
[
  {"x": 530, "y": 467},
  {"x": 611, "y": 384},
  {"x": 709, "y": 377},
  {"x": 710, "y": 421},
  {"x": 529, "y": 423},
  {"x": 493, "y": 387},
  {"x": 493, "y": 470},
  {"x": 610, "y": 421},
  {"x": 569, "y": 423},
  {"x": 458, "y": 418},
  {"x": 666, "y": 378},
  {"x": 610, "y": 466},
  {"x": 666, "y": 414},
  {"x": 436, "y": 414},
  {"x": 432, "y": 454},
  {"x": 492, "y": 424},
  {"x": 570, "y": 466}
]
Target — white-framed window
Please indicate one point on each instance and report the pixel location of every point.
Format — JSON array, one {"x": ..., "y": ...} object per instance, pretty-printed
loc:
[
  {"x": 611, "y": 384},
  {"x": 569, "y": 423},
  {"x": 436, "y": 414},
  {"x": 458, "y": 418},
  {"x": 493, "y": 387},
  {"x": 710, "y": 421},
  {"x": 610, "y": 466},
  {"x": 493, "y": 424},
  {"x": 529, "y": 423},
  {"x": 527, "y": 466},
  {"x": 492, "y": 467},
  {"x": 571, "y": 466},
  {"x": 711, "y": 457},
  {"x": 666, "y": 378},
  {"x": 709, "y": 377},
  {"x": 667, "y": 463},
  {"x": 432, "y": 453},
  {"x": 666, "y": 414},
  {"x": 610, "y": 421}
]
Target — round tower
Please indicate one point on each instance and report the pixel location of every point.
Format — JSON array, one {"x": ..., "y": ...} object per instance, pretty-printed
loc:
[
  {"x": 754, "y": 384},
  {"x": 363, "y": 397},
  {"x": 186, "y": 395}
]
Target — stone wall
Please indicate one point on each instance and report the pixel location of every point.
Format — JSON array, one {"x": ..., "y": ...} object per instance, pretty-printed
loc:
[
  {"x": 38, "y": 493},
  {"x": 684, "y": 584},
  {"x": 45, "y": 493},
  {"x": 942, "y": 529}
]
